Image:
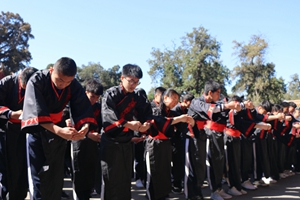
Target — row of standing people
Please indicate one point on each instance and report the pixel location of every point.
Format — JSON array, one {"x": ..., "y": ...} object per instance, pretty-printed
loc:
[{"x": 125, "y": 111}]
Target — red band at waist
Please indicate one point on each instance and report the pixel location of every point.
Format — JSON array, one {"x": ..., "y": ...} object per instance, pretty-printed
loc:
[{"x": 215, "y": 126}]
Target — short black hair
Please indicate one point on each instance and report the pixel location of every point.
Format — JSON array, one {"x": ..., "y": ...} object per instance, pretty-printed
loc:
[
  {"x": 212, "y": 86},
  {"x": 159, "y": 90},
  {"x": 66, "y": 66},
  {"x": 188, "y": 97},
  {"x": 132, "y": 70},
  {"x": 94, "y": 86},
  {"x": 267, "y": 105},
  {"x": 277, "y": 108},
  {"x": 26, "y": 74},
  {"x": 237, "y": 98},
  {"x": 292, "y": 104},
  {"x": 285, "y": 104}
]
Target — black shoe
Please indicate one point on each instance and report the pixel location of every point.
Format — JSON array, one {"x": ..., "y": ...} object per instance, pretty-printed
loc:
[
  {"x": 177, "y": 190},
  {"x": 64, "y": 195},
  {"x": 196, "y": 198}
]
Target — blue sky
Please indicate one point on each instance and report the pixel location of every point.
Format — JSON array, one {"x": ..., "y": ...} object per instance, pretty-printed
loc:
[{"x": 120, "y": 32}]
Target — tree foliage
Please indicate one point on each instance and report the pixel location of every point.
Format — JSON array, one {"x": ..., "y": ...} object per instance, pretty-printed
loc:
[
  {"x": 14, "y": 37},
  {"x": 108, "y": 78},
  {"x": 293, "y": 88},
  {"x": 254, "y": 76},
  {"x": 187, "y": 67}
]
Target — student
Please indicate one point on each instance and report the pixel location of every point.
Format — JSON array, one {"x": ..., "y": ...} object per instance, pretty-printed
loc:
[
  {"x": 202, "y": 109},
  {"x": 157, "y": 96},
  {"x": 124, "y": 110},
  {"x": 236, "y": 124},
  {"x": 178, "y": 142},
  {"x": 12, "y": 90},
  {"x": 85, "y": 151},
  {"x": 159, "y": 148},
  {"x": 47, "y": 94}
]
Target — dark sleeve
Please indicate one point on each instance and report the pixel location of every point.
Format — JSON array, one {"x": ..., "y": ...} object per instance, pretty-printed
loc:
[
  {"x": 6, "y": 84},
  {"x": 143, "y": 107},
  {"x": 35, "y": 110},
  {"x": 160, "y": 124},
  {"x": 201, "y": 110},
  {"x": 81, "y": 108},
  {"x": 110, "y": 118}
]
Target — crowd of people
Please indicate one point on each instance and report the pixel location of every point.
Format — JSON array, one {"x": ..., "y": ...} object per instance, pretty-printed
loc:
[{"x": 171, "y": 144}]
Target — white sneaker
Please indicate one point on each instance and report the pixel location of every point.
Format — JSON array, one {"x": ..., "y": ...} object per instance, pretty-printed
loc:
[
  {"x": 234, "y": 192},
  {"x": 266, "y": 180},
  {"x": 139, "y": 183},
  {"x": 224, "y": 195},
  {"x": 248, "y": 185},
  {"x": 243, "y": 191},
  {"x": 216, "y": 196}
]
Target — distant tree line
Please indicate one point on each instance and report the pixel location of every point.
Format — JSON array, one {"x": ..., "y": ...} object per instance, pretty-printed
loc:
[{"x": 185, "y": 67}]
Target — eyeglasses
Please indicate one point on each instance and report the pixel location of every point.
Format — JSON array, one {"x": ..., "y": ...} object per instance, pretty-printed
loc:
[{"x": 131, "y": 81}]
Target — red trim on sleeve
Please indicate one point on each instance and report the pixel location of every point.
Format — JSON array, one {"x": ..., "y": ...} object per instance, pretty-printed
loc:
[
  {"x": 85, "y": 120},
  {"x": 3, "y": 108},
  {"x": 113, "y": 125},
  {"x": 16, "y": 121}
]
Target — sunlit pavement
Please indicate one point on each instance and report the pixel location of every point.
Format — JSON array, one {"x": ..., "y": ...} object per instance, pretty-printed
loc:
[{"x": 288, "y": 188}]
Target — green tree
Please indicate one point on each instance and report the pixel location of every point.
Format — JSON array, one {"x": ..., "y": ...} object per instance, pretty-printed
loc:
[
  {"x": 14, "y": 37},
  {"x": 108, "y": 78},
  {"x": 293, "y": 88},
  {"x": 254, "y": 76},
  {"x": 187, "y": 67}
]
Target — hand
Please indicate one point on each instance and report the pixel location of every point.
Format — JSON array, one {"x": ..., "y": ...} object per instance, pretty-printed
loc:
[
  {"x": 138, "y": 139},
  {"x": 68, "y": 122},
  {"x": 67, "y": 133},
  {"x": 143, "y": 128},
  {"x": 94, "y": 136},
  {"x": 16, "y": 114},
  {"x": 133, "y": 125},
  {"x": 264, "y": 126},
  {"x": 248, "y": 104},
  {"x": 281, "y": 116},
  {"x": 238, "y": 106},
  {"x": 288, "y": 118}
]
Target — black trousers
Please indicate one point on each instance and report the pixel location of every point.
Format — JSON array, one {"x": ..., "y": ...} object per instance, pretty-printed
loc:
[
  {"x": 158, "y": 162},
  {"x": 262, "y": 159},
  {"x": 233, "y": 161},
  {"x": 46, "y": 154},
  {"x": 195, "y": 166},
  {"x": 281, "y": 156},
  {"x": 178, "y": 144},
  {"x": 215, "y": 158},
  {"x": 116, "y": 164},
  {"x": 84, "y": 162},
  {"x": 3, "y": 168},
  {"x": 246, "y": 158},
  {"x": 273, "y": 152}
]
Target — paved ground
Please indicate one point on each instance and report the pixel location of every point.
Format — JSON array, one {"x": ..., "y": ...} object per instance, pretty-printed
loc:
[{"x": 288, "y": 188}]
